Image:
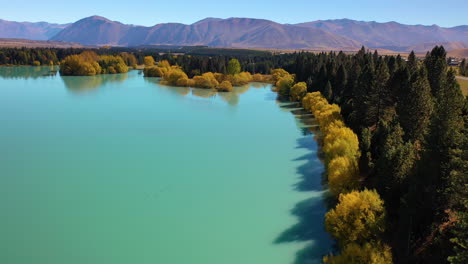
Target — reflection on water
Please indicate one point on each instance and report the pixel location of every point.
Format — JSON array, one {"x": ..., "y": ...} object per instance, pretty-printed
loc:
[
  {"x": 232, "y": 98},
  {"x": 81, "y": 84},
  {"x": 28, "y": 72},
  {"x": 177, "y": 90},
  {"x": 76, "y": 84},
  {"x": 204, "y": 93}
]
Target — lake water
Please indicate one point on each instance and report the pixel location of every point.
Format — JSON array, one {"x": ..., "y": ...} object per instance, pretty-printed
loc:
[{"x": 119, "y": 169}]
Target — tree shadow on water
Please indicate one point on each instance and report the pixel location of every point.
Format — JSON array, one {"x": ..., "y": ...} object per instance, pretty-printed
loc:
[
  {"x": 310, "y": 228},
  {"x": 312, "y": 171}
]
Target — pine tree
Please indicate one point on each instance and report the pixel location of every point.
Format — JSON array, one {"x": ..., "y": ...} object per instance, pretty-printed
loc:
[
  {"x": 415, "y": 107},
  {"x": 436, "y": 67},
  {"x": 361, "y": 116},
  {"x": 340, "y": 84},
  {"x": 328, "y": 92},
  {"x": 412, "y": 63},
  {"x": 396, "y": 161}
]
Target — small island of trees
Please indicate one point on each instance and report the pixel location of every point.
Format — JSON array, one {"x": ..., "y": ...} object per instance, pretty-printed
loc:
[
  {"x": 89, "y": 63},
  {"x": 175, "y": 76}
]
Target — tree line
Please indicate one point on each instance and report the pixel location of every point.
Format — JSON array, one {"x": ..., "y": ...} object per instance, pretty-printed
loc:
[
  {"x": 215, "y": 61},
  {"x": 357, "y": 218},
  {"x": 175, "y": 76},
  {"x": 410, "y": 118}
]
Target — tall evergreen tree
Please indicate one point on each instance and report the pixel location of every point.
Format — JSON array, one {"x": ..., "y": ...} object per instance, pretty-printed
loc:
[
  {"x": 412, "y": 62},
  {"x": 415, "y": 107},
  {"x": 436, "y": 67},
  {"x": 328, "y": 92},
  {"x": 340, "y": 83}
]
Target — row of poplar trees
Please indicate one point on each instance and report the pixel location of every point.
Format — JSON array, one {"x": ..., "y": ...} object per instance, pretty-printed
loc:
[{"x": 411, "y": 119}]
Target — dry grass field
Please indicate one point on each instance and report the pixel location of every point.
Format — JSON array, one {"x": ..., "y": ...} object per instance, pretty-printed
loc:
[{"x": 463, "y": 85}]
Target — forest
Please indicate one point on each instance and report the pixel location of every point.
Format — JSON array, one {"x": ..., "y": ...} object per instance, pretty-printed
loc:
[
  {"x": 394, "y": 137},
  {"x": 410, "y": 119}
]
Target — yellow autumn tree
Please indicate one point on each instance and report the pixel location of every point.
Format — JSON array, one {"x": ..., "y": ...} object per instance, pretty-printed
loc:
[
  {"x": 277, "y": 74},
  {"x": 261, "y": 78},
  {"x": 154, "y": 71},
  {"x": 164, "y": 64},
  {"x": 184, "y": 82},
  {"x": 112, "y": 64},
  {"x": 173, "y": 75},
  {"x": 358, "y": 217},
  {"x": 369, "y": 253},
  {"x": 342, "y": 175},
  {"x": 206, "y": 80},
  {"x": 239, "y": 79},
  {"x": 129, "y": 59},
  {"x": 225, "y": 86},
  {"x": 80, "y": 65},
  {"x": 341, "y": 142},
  {"x": 298, "y": 91},
  {"x": 327, "y": 114},
  {"x": 219, "y": 77},
  {"x": 149, "y": 61},
  {"x": 283, "y": 85}
]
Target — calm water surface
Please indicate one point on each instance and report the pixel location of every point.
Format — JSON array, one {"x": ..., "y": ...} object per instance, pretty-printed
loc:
[{"x": 119, "y": 169}]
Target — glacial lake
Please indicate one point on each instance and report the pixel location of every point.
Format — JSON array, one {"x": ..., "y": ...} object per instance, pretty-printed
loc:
[{"x": 119, "y": 169}]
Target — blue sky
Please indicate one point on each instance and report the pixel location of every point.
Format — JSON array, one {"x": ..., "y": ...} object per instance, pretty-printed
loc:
[{"x": 147, "y": 12}]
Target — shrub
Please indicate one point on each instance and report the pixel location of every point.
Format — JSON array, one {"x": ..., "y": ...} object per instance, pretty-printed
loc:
[
  {"x": 225, "y": 86},
  {"x": 173, "y": 75}
]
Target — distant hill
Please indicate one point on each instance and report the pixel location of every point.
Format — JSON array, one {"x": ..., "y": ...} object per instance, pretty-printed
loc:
[
  {"x": 232, "y": 32},
  {"x": 28, "y": 30},
  {"x": 27, "y": 43},
  {"x": 425, "y": 47},
  {"x": 321, "y": 35},
  {"x": 458, "y": 53},
  {"x": 390, "y": 35}
]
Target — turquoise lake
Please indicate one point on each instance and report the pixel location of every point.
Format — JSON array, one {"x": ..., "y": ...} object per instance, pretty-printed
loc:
[{"x": 119, "y": 169}]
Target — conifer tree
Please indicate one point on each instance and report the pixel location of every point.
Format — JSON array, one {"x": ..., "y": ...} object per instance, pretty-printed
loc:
[
  {"x": 328, "y": 92},
  {"x": 412, "y": 63},
  {"x": 415, "y": 107}
]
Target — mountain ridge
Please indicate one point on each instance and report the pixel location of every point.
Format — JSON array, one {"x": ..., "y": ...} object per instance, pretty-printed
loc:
[
  {"x": 231, "y": 32},
  {"x": 241, "y": 32}
]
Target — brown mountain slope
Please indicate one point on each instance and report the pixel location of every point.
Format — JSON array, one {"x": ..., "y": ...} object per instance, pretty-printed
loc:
[
  {"x": 232, "y": 32},
  {"x": 458, "y": 53},
  {"x": 390, "y": 35},
  {"x": 28, "y": 30},
  {"x": 93, "y": 30}
]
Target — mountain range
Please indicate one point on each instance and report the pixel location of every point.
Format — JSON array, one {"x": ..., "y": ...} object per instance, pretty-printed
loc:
[
  {"x": 340, "y": 34},
  {"x": 28, "y": 30}
]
